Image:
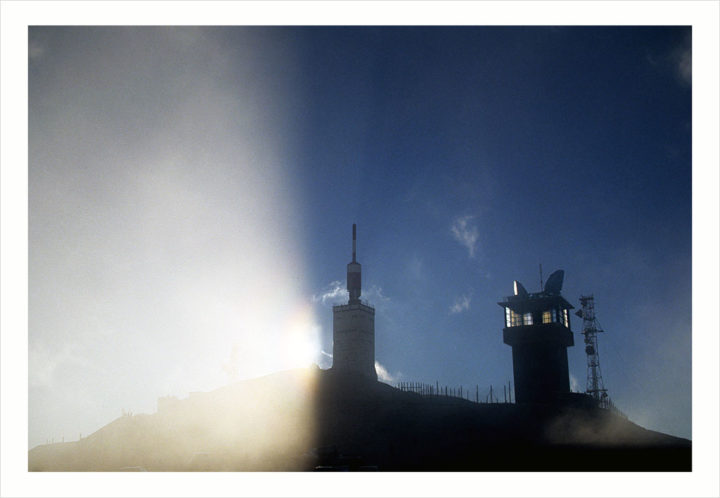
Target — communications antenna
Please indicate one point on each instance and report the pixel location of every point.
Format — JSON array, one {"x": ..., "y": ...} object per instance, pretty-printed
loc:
[{"x": 591, "y": 327}]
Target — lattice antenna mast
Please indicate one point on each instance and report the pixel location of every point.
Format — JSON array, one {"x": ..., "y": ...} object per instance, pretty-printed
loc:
[{"x": 591, "y": 328}]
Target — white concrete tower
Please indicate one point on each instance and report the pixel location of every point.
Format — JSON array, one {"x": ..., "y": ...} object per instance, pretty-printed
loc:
[{"x": 354, "y": 327}]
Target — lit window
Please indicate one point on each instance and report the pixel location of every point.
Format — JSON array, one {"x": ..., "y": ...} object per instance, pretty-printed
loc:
[
  {"x": 546, "y": 317},
  {"x": 527, "y": 319},
  {"x": 512, "y": 319},
  {"x": 566, "y": 320}
]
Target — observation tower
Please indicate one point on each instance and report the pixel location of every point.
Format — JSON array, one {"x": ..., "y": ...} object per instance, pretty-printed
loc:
[
  {"x": 537, "y": 327},
  {"x": 354, "y": 327}
]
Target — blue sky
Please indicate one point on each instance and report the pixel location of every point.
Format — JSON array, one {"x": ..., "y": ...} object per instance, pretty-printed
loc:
[
  {"x": 566, "y": 147},
  {"x": 192, "y": 193}
]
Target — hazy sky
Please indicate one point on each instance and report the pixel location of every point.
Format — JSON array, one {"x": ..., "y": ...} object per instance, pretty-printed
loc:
[{"x": 192, "y": 192}]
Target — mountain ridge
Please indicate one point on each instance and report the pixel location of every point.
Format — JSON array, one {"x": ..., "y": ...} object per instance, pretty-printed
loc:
[{"x": 313, "y": 419}]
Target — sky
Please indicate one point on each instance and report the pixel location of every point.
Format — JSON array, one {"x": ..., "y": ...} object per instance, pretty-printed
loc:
[{"x": 192, "y": 193}]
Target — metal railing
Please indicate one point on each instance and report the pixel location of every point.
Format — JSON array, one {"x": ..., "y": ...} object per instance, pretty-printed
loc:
[{"x": 490, "y": 395}]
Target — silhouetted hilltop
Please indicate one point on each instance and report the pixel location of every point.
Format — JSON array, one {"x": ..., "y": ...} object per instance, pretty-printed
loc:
[{"x": 315, "y": 419}]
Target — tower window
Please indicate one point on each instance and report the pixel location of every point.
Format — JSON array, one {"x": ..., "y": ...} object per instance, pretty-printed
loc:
[
  {"x": 527, "y": 319},
  {"x": 546, "y": 317},
  {"x": 566, "y": 319},
  {"x": 512, "y": 319}
]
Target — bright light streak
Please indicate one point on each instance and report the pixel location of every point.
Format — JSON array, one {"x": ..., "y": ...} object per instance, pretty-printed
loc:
[
  {"x": 162, "y": 210},
  {"x": 302, "y": 340}
]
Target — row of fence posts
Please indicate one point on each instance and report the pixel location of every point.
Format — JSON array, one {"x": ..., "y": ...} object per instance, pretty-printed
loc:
[
  {"x": 611, "y": 406},
  {"x": 52, "y": 440},
  {"x": 424, "y": 389}
]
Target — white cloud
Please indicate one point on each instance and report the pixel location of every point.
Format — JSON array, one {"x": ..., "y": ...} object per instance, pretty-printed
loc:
[
  {"x": 461, "y": 304},
  {"x": 325, "y": 359},
  {"x": 681, "y": 57},
  {"x": 375, "y": 296},
  {"x": 334, "y": 293},
  {"x": 466, "y": 233},
  {"x": 384, "y": 375},
  {"x": 684, "y": 65}
]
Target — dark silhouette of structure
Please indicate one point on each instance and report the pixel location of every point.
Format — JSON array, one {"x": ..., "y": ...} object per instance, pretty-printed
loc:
[
  {"x": 595, "y": 386},
  {"x": 344, "y": 419},
  {"x": 354, "y": 327},
  {"x": 312, "y": 419},
  {"x": 537, "y": 327}
]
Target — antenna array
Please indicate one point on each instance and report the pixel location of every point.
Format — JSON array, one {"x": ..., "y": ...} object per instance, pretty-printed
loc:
[{"x": 595, "y": 386}]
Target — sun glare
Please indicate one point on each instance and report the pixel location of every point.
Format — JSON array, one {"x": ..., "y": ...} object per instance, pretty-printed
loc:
[{"x": 302, "y": 344}]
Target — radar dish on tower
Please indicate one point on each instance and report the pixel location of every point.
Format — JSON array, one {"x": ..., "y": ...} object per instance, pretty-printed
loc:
[
  {"x": 519, "y": 289},
  {"x": 554, "y": 282}
]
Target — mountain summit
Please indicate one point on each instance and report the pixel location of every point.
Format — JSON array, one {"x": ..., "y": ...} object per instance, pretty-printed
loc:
[{"x": 313, "y": 419}]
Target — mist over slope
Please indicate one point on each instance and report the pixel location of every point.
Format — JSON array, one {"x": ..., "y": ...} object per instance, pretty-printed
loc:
[{"x": 309, "y": 419}]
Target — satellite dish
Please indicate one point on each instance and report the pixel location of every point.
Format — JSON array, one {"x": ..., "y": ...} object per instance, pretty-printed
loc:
[
  {"x": 519, "y": 289},
  {"x": 554, "y": 282}
]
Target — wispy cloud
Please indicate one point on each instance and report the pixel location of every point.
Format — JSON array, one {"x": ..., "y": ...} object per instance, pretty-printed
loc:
[
  {"x": 374, "y": 295},
  {"x": 574, "y": 384},
  {"x": 384, "y": 375},
  {"x": 461, "y": 304},
  {"x": 466, "y": 233},
  {"x": 325, "y": 359},
  {"x": 382, "y": 372},
  {"x": 683, "y": 60},
  {"x": 333, "y": 293},
  {"x": 678, "y": 59}
]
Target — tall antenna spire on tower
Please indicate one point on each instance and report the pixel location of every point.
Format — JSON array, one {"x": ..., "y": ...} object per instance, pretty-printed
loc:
[
  {"x": 353, "y": 272},
  {"x": 354, "y": 327},
  {"x": 354, "y": 241}
]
